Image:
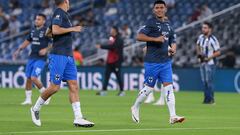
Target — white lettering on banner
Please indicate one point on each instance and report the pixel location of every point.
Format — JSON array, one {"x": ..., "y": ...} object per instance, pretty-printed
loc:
[
  {"x": 175, "y": 82},
  {"x": 90, "y": 81},
  {"x": 19, "y": 75},
  {"x": 112, "y": 83},
  {"x": 237, "y": 81},
  {"x": 125, "y": 81},
  {"x": 7, "y": 79},
  {"x": 97, "y": 77},
  {"x": 133, "y": 83}
]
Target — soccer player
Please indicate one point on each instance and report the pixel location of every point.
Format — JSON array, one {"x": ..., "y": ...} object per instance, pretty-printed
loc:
[
  {"x": 159, "y": 35},
  {"x": 208, "y": 49},
  {"x": 36, "y": 62},
  {"x": 62, "y": 65}
]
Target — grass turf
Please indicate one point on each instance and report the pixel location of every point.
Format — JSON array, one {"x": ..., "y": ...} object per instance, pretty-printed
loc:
[{"x": 111, "y": 115}]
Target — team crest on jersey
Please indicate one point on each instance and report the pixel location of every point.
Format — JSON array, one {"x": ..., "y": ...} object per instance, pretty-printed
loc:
[
  {"x": 150, "y": 79},
  {"x": 57, "y": 77},
  {"x": 41, "y": 34}
]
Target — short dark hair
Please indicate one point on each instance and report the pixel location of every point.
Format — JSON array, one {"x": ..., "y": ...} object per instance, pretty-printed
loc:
[
  {"x": 116, "y": 28},
  {"x": 58, "y": 2},
  {"x": 210, "y": 25},
  {"x": 42, "y": 15},
  {"x": 159, "y": 2}
]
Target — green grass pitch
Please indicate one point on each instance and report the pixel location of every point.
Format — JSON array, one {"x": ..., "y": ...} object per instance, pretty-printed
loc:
[{"x": 111, "y": 115}]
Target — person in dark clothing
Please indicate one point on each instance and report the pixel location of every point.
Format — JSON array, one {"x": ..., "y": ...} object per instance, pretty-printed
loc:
[{"x": 114, "y": 60}]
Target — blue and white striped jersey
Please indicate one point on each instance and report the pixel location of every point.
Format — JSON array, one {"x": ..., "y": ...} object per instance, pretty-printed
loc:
[{"x": 208, "y": 45}]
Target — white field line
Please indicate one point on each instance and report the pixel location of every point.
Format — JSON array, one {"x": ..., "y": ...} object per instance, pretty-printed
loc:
[{"x": 119, "y": 130}]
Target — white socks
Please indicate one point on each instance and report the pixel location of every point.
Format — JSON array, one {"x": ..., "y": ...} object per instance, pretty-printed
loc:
[
  {"x": 38, "y": 104},
  {"x": 42, "y": 89},
  {"x": 162, "y": 96},
  {"x": 170, "y": 99},
  {"x": 142, "y": 95},
  {"x": 28, "y": 94},
  {"x": 77, "y": 110}
]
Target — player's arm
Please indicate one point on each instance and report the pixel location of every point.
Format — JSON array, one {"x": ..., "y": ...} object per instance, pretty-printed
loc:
[
  {"x": 215, "y": 55},
  {"x": 57, "y": 30},
  {"x": 173, "y": 49},
  {"x": 20, "y": 48},
  {"x": 144, "y": 38},
  {"x": 44, "y": 51}
]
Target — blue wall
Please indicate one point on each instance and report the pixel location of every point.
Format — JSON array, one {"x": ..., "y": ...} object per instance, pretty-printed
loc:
[{"x": 226, "y": 80}]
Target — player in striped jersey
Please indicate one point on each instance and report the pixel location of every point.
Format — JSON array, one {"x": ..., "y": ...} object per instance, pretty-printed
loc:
[{"x": 208, "y": 49}]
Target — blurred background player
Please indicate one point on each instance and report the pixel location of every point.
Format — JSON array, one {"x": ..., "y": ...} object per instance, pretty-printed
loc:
[
  {"x": 62, "y": 65},
  {"x": 159, "y": 35},
  {"x": 37, "y": 58},
  {"x": 208, "y": 49},
  {"x": 114, "y": 60},
  {"x": 77, "y": 56}
]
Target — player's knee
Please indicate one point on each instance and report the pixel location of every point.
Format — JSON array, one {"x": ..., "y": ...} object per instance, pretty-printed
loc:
[
  {"x": 54, "y": 87},
  {"x": 33, "y": 79}
]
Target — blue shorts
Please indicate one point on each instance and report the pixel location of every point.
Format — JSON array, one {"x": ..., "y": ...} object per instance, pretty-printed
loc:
[
  {"x": 34, "y": 67},
  {"x": 158, "y": 71},
  {"x": 62, "y": 68}
]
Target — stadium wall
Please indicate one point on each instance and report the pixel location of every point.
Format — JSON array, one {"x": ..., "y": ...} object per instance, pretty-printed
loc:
[{"x": 90, "y": 78}]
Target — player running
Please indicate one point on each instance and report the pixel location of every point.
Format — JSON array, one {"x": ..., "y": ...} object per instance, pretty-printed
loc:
[
  {"x": 37, "y": 59},
  {"x": 159, "y": 35},
  {"x": 61, "y": 65}
]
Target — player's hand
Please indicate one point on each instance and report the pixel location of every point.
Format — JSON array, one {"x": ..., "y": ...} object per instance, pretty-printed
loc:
[
  {"x": 206, "y": 59},
  {"x": 49, "y": 33},
  {"x": 159, "y": 39},
  {"x": 15, "y": 54},
  {"x": 171, "y": 51},
  {"x": 77, "y": 28},
  {"x": 43, "y": 52},
  {"x": 98, "y": 46}
]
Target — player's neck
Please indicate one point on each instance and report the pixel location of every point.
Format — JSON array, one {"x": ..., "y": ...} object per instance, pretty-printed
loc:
[
  {"x": 39, "y": 27},
  {"x": 162, "y": 19},
  {"x": 64, "y": 8}
]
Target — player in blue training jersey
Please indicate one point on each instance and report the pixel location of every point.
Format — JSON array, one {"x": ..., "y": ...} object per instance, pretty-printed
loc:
[
  {"x": 36, "y": 62},
  {"x": 161, "y": 46},
  {"x": 61, "y": 65}
]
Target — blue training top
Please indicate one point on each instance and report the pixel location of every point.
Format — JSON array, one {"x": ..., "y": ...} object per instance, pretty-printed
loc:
[
  {"x": 157, "y": 52},
  {"x": 62, "y": 44}
]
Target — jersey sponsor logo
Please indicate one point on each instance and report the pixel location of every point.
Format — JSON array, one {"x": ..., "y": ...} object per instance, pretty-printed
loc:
[{"x": 57, "y": 17}]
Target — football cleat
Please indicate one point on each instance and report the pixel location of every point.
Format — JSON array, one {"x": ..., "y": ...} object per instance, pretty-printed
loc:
[
  {"x": 26, "y": 102},
  {"x": 176, "y": 119},
  {"x": 35, "y": 117},
  {"x": 83, "y": 123},
  {"x": 135, "y": 114}
]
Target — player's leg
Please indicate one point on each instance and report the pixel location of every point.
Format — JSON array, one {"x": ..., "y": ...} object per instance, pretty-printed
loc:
[
  {"x": 117, "y": 71},
  {"x": 150, "y": 80},
  {"x": 108, "y": 71},
  {"x": 28, "y": 87},
  {"x": 210, "y": 72},
  {"x": 70, "y": 74},
  {"x": 57, "y": 64},
  {"x": 37, "y": 70},
  {"x": 161, "y": 100},
  {"x": 204, "y": 75},
  {"x": 166, "y": 77}
]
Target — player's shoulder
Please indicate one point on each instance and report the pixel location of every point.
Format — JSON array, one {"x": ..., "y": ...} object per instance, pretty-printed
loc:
[
  {"x": 58, "y": 13},
  {"x": 214, "y": 38},
  {"x": 150, "y": 21},
  {"x": 200, "y": 36}
]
